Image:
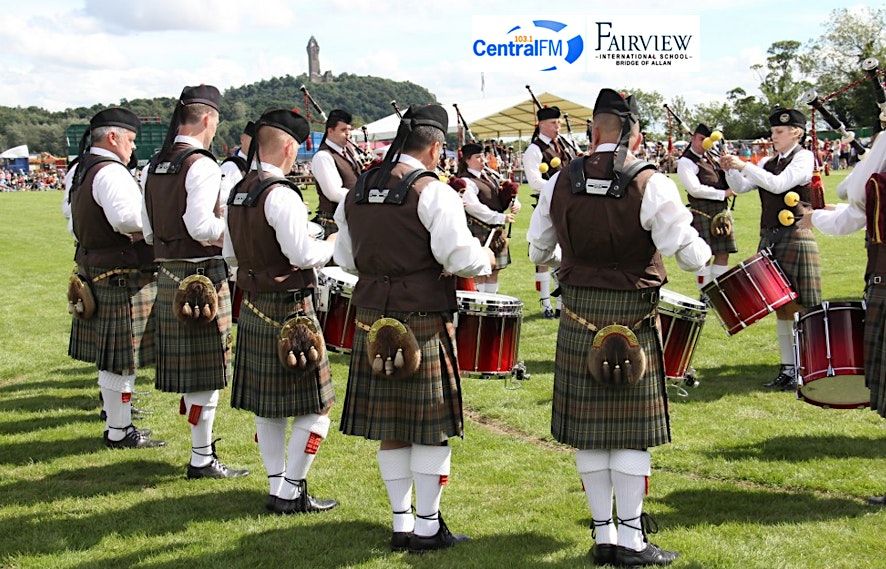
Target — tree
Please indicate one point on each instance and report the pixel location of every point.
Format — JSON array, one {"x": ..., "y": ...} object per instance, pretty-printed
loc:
[
  {"x": 782, "y": 78},
  {"x": 652, "y": 113}
]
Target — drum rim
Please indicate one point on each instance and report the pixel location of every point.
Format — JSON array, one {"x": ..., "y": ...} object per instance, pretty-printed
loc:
[
  {"x": 818, "y": 403},
  {"x": 665, "y": 293},
  {"x": 853, "y": 305}
]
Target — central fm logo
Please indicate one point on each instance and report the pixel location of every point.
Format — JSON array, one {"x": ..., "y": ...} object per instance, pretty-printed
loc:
[{"x": 526, "y": 43}]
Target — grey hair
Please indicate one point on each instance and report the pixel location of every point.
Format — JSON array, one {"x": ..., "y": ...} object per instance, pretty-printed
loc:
[
  {"x": 102, "y": 132},
  {"x": 422, "y": 137}
]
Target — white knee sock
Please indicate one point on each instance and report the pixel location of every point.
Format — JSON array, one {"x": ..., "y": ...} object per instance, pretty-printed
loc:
[
  {"x": 593, "y": 467},
  {"x": 307, "y": 433},
  {"x": 492, "y": 287},
  {"x": 271, "y": 435},
  {"x": 430, "y": 469},
  {"x": 629, "y": 470},
  {"x": 543, "y": 286},
  {"x": 702, "y": 277},
  {"x": 114, "y": 408},
  {"x": 394, "y": 465},
  {"x": 718, "y": 271},
  {"x": 200, "y": 408},
  {"x": 784, "y": 329}
]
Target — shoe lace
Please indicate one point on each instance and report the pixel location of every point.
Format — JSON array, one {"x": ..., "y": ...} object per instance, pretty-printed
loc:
[
  {"x": 647, "y": 523},
  {"x": 209, "y": 446},
  {"x": 129, "y": 430},
  {"x": 444, "y": 530},
  {"x": 597, "y": 524},
  {"x": 302, "y": 486}
]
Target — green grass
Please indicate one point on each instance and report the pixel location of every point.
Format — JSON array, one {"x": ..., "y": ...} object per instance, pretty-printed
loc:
[{"x": 753, "y": 478}]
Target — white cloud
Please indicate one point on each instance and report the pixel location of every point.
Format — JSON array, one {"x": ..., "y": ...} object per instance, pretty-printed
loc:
[{"x": 189, "y": 15}]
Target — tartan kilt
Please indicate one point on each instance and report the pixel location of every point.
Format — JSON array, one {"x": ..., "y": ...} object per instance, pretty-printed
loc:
[
  {"x": 190, "y": 358},
  {"x": 81, "y": 345},
  {"x": 875, "y": 347},
  {"x": 425, "y": 409},
  {"x": 261, "y": 383},
  {"x": 591, "y": 415},
  {"x": 702, "y": 213},
  {"x": 481, "y": 231},
  {"x": 797, "y": 255},
  {"x": 124, "y": 321}
]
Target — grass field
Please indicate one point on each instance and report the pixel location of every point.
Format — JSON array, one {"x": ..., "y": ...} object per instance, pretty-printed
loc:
[{"x": 754, "y": 479}]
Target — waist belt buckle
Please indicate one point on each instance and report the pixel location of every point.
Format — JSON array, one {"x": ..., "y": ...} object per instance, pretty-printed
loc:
[
  {"x": 121, "y": 282},
  {"x": 876, "y": 280},
  {"x": 201, "y": 270}
]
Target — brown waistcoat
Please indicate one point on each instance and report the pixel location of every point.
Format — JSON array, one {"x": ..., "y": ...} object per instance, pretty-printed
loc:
[
  {"x": 548, "y": 152},
  {"x": 98, "y": 244},
  {"x": 774, "y": 203},
  {"x": 603, "y": 243},
  {"x": 262, "y": 266},
  {"x": 488, "y": 193},
  {"x": 709, "y": 174},
  {"x": 392, "y": 251},
  {"x": 875, "y": 211},
  {"x": 166, "y": 201},
  {"x": 349, "y": 174}
]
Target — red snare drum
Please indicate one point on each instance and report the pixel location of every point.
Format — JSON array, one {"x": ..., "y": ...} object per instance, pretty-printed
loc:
[
  {"x": 488, "y": 332},
  {"x": 829, "y": 341},
  {"x": 465, "y": 283},
  {"x": 339, "y": 318},
  {"x": 681, "y": 321},
  {"x": 749, "y": 291}
]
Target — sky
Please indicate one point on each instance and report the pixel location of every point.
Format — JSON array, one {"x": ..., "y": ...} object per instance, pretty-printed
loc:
[{"x": 58, "y": 54}]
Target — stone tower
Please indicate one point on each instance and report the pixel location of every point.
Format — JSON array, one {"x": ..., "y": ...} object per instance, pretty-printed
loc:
[{"x": 314, "y": 60}]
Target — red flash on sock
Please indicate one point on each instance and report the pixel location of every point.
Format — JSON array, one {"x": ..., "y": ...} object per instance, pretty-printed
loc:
[
  {"x": 444, "y": 479},
  {"x": 646, "y": 492},
  {"x": 125, "y": 398},
  {"x": 699, "y": 279},
  {"x": 537, "y": 286},
  {"x": 182, "y": 408},
  {"x": 313, "y": 443},
  {"x": 194, "y": 415}
]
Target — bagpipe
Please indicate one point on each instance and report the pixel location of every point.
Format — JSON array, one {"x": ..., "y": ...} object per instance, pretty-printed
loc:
[
  {"x": 365, "y": 157},
  {"x": 507, "y": 189},
  {"x": 871, "y": 68}
]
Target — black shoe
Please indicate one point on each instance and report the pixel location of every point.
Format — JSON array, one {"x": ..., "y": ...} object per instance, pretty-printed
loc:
[
  {"x": 215, "y": 469},
  {"x": 877, "y": 501},
  {"x": 440, "y": 540},
  {"x": 549, "y": 314},
  {"x": 603, "y": 553},
  {"x": 303, "y": 504},
  {"x": 785, "y": 376},
  {"x": 400, "y": 540},
  {"x": 651, "y": 555},
  {"x": 790, "y": 385},
  {"x": 134, "y": 439}
]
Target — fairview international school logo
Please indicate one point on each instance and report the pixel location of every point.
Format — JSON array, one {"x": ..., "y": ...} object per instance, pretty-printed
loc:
[{"x": 589, "y": 43}]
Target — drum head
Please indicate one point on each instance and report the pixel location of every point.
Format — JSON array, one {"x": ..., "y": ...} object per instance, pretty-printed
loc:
[
  {"x": 338, "y": 274},
  {"x": 315, "y": 230},
  {"x": 840, "y": 392},
  {"x": 676, "y": 304},
  {"x": 471, "y": 302}
]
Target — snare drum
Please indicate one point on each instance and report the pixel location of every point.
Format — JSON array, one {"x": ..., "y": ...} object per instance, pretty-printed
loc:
[
  {"x": 338, "y": 320},
  {"x": 748, "y": 292},
  {"x": 465, "y": 283},
  {"x": 829, "y": 355},
  {"x": 488, "y": 332},
  {"x": 681, "y": 321}
]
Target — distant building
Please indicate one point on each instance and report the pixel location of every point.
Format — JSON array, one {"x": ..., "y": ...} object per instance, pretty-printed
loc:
[{"x": 314, "y": 73}]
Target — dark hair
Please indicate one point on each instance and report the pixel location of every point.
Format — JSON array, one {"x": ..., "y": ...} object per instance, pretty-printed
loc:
[
  {"x": 194, "y": 113},
  {"x": 421, "y": 137}
]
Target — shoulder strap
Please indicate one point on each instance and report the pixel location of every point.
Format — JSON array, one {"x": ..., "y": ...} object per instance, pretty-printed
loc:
[
  {"x": 577, "y": 178},
  {"x": 250, "y": 199},
  {"x": 174, "y": 165},
  {"x": 397, "y": 196},
  {"x": 622, "y": 180},
  {"x": 240, "y": 162},
  {"x": 80, "y": 175}
]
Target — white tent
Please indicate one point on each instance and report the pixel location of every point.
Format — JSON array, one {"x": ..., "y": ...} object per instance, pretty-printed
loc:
[
  {"x": 492, "y": 118},
  {"x": 16, "y": 152}
]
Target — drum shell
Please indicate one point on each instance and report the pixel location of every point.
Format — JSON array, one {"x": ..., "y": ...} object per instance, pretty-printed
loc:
[
  {"x": 488, "y": 333},
  {"x": 338, "y": 321},
  {"x": 680, "y": 321}
]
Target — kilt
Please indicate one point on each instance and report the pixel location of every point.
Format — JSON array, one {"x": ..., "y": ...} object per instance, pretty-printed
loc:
[
  {"x": 425, "y": 409},
  {"x": 191, "y": 358},
  {"x": 261, "y": 383},
  {"x": 703, "y": 212},
  {"x": 797, "y": 255},
  {"x": 81, "y": 345},
  {"x": 875, "y": 347},
  {"x": 481, "y": 231},
  {"x": 591, "y": 415},
  {"x": 124, "y": 321}
]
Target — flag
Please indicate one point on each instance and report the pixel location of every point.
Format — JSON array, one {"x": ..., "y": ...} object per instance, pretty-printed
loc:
[
  {"x": 482, "y": 82},
  {"x": 16, "y": 152}
]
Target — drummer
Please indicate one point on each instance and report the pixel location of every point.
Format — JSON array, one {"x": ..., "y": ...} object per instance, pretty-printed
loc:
[
  {"x": 870, "y": 174},
  {"x": 486, "y": 208},
  {"x": 705, "y": 183},
  {"x": 794, "y": 247}
]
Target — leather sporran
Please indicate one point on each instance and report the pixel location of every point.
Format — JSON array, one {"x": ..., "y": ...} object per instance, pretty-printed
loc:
[
  {"x": 392, "y": 349},
  {"x": 81, "y": 298},
  {"x": 616, "y": 357},
  {"x": 300, "y": 345},
  {"x": 721, "y": 224},
  {"x": 499, "y": 240},
  {"x": 196, "y": 300}
]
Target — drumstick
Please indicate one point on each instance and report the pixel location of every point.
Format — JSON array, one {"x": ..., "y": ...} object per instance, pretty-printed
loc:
[{"x": 489, "y": 239}]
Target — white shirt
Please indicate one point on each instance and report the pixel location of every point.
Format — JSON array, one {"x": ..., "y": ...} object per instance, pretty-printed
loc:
[
  {"x": 475, "y": 208},
  {"x": 687, "y": 172},
  {"x": 117, "y": 193},
  {"x": 662, "y": 213},
  {"x": 66, "y": 207},
  {"x": 797, "y": 173},
  {"x": 851, "y": 217},
  {"x": 230, "y": 174},
  {"x": 441, "y": 211},
  {"x": 532, "y": 159},
  {"x": 287, "y": 214},
  {"x": 325, "y": 171},
  {"x": 204, "y": 215}
]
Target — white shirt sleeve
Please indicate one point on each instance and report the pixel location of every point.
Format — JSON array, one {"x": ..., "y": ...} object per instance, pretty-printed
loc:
[
  {"x": 663, "y": 214},
  {"x": 287, "y": 214},
  {"x": 442, "y": 213},
  {"x": 205, "y": 207},
  {"x": 738, "y": 183},
  {"x": 844, "y": 220},
  {"x": 228, "y": 252},
  {"x": 797, "y": 173},
  {"x": 147, "y": 230},
  {"x": 475, "y": 208},
  {"x": 531, "y": 161},
  {"x": 117, "y": 193},
  {"x": 230, "y": 175},
  {"x": 343, "y": 252},
  {"x": 328, "y": 179},
  {"x": 66, "y": 206},
  {"x": 542, "y": 237},
  {"x": 687, "y": 172}
]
